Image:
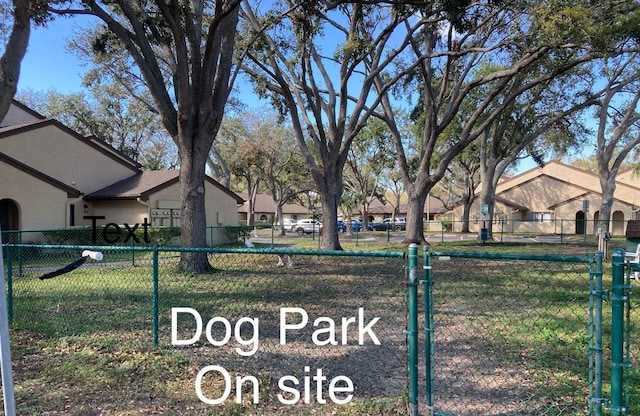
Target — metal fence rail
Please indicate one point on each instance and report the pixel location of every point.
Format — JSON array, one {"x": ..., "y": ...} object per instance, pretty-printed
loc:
[
  {"x": 495, "y": 334},
  {"x": 232, "y": 318},
  {"x": 513, "y": 335}
]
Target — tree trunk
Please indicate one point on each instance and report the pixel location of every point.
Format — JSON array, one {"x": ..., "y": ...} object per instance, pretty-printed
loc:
[
  {"x": 13, "y": 54},
  {"x": 280, "y": 220},
  {"x": 330, "y": 239},
  {"x": 415, "y": 224},
  {"x": 194, "y": 221},
  {"x": 466, "y": 211},
  {"x": 467, "y": 201},
  {"x": 252, "y": 189},
  {"x": 608, "y": 185},
  {"x": 487, "y": 197}
]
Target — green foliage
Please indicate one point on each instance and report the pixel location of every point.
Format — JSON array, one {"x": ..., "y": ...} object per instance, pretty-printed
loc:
[
  {"x": 599, "y": 24},
  {"x": 238, "y": 234},
  {"x": 162, "y": 236},
  {"x": 104, "y": 43}
]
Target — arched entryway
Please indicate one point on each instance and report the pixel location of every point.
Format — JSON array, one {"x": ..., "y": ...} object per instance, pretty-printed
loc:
[
  {"x": 580, "y": 224},
  {"x": 617, "y": 223},
  {"x": 9, "y": 217}
]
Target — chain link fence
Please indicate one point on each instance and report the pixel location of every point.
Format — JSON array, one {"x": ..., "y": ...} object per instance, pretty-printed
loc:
[
  {"x": 512, "y": 335},
  {"x": 499, "y": 335},
  {"x": 136, "y": 235},
  {"x": 315, "y": 330}
]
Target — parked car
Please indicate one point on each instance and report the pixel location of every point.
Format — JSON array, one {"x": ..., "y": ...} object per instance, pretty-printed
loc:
[
  {"x": 400, "y": 224},
  {"x": 342, "y": 227},
  {"x": 306, "y": 226},
  {"x": 286, "y": 224},
  {"x": 357, "y": 226}
]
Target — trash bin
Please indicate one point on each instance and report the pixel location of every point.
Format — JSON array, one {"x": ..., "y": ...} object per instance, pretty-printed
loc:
[
  {"x": 632, "y": 236},
  {"x": 484, "y": 234}
]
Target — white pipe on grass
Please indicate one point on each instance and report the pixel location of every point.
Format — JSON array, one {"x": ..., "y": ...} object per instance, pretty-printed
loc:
[{"x": 95, "y": 255}]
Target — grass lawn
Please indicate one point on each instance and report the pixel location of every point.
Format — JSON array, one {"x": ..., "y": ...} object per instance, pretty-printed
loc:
[
  {"x": 511, "y": 337},
  {"x": 82, "y": 342}
]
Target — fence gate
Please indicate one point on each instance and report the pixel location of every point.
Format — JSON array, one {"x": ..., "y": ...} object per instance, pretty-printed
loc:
[
  {"x": 503, "y": 334},
  {"x": 623, "y": 382}
]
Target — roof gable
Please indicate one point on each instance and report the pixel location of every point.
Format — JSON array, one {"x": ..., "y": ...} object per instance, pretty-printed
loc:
[
  {"x": 19, "y": 113},
  {"x": 71, "y": 192},
  {"x": 582, "y": 182},
  {"x": 557, "y": 170},
  {"x": 91, "y": 141}
]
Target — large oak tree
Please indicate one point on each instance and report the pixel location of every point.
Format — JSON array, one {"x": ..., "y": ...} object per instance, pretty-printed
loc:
[
  {"x": 618, "y": 122},
  {"x": 444, "y": 68},
  {"x": 183, "y": 51},
  {"x": 318, "y": 62}
]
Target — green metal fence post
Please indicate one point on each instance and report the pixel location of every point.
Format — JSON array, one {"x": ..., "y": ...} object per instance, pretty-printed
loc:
[
  {"x": 155, "y": 298},
  {"x": 428, "y": 326},
  {"x": 412, "y": 328},
  {"x": 618, "y": 299},
  {"x": 627, "y": 332},
  {"x": 595, "y": 336}
]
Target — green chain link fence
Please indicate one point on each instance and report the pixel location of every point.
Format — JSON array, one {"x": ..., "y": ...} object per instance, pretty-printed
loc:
[
  {"x": 136, "y": 235},
  {"x": 146, "y": 300},
  {"x": 514, "y": 335},
  {"x": 499, "y": 335}
]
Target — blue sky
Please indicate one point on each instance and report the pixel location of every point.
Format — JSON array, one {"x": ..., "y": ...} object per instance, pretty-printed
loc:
[{"x": 47, "y": 64}]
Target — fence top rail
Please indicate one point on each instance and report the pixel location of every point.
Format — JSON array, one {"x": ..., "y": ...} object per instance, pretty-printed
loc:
[
  {"x": 221, "y": 250},
  {"x": 513, "y": 256}
]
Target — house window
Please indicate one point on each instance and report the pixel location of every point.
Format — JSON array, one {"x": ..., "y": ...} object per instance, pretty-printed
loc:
[{"x": 541, "y": 216}]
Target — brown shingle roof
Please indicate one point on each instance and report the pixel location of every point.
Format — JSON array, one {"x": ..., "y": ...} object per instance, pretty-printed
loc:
[
  {"x": 137, "y": 186},
  {"x": 145, "y": 183}
]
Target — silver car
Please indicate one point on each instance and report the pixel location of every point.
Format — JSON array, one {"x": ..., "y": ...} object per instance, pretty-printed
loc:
[{"x": 306, "y": 226}]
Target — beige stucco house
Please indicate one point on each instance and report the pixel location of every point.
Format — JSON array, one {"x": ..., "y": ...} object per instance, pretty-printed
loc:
[
  {"x": 433, "y": 209},
  {"x": 557, "y": 198},
  {"x": 53, "y": 178},
  {"x": 265, "y": 209}
]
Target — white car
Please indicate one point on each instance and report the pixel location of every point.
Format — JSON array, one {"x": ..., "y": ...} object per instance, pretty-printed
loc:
[
  {"x": 285, "y": 224},
  {"x": 306, "y": 226}
]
